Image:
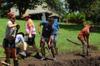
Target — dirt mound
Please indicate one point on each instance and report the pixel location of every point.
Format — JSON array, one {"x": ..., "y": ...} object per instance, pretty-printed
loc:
[{"x": 64, "y": 60}]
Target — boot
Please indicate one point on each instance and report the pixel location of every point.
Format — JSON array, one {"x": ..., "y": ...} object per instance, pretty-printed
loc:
[
  {"x": 16, "y": 63},
  {"x": 7, "y": 61},
  {"x": 56, "y": 51}
]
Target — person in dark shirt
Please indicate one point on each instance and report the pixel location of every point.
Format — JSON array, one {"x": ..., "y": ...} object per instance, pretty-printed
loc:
[
  {"x": 46, "y": 37},
  {"x": 55, "y": 33}
]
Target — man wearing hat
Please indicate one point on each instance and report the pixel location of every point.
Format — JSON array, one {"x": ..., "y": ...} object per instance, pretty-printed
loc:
[{"x": 46, "y": 37}]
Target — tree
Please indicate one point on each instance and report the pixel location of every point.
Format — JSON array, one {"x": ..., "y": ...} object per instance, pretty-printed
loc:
[
  {"x": 57, "y": 5},
  {"x": 79, "y": 5},
  {"x": 23, "y": 5},
  {"x": 95, "y": 11},
  {"x": 89, "y": 7},
  {"x": 0, "y": 2},
  {"x": 5, "y": 6}
]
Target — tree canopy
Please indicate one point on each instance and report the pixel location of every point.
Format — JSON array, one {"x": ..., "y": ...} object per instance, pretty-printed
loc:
[
  {"x": 91, "y": 8},
  {"x": 23, "y": 5},
  {"x": 80, "y": 5}
]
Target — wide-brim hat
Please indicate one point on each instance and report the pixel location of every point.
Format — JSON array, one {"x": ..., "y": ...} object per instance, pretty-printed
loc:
[
  {"x": 25, "y": 16},
  {"x": 54, "y": 15}
]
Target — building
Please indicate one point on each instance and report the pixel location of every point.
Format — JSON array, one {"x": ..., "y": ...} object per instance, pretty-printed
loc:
[{"x": 37, "y": 13}]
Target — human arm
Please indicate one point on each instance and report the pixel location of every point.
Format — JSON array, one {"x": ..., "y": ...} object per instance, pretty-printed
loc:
[
  {"x": 39, "y": 26},
  {"x": 24, "y": 43},
  {"x": 10, "y": 24},
  {"x": 20, "y": 39},
  {"x": 31, "y": 25},
  {"x": 51, "y": 37}
]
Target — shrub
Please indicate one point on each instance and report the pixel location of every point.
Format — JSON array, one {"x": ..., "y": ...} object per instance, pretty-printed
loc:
[{"x": 75, "y": 17}]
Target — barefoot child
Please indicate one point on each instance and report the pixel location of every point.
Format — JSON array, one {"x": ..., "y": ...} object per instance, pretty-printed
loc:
[{"x": 83, "y": 36}]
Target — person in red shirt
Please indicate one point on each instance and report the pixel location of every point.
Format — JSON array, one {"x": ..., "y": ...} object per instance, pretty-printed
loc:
[{"x": 83, "y": 36}]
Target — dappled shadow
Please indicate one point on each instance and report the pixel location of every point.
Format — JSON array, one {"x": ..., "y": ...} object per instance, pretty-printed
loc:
[{"x": 71, "y": 27}]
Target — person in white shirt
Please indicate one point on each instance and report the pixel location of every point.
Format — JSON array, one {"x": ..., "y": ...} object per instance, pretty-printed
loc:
[
  {"x": 9, "y": 39},
  {"x": 20, "y": 43}
]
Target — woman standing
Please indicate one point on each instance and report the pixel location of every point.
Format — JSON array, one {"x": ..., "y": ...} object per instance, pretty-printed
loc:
[
  {"x": 31, "y": 32},
  {"x": 9, "y": 40}
]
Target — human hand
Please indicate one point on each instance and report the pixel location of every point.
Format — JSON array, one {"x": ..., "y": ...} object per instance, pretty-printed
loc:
[
  {"x": 49, "y": 45},
  {"x": 30, "y": 35},
  {"x": 17, "y": 26}
]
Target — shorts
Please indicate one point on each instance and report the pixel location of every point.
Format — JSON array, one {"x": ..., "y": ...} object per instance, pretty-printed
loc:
[
  {"x": 53, "y": 37},
  {"x": 31, "y": 41},
  {"x": 43, "y": 41},
  {"x": 10, "y": 53},
  {"x": 9, "y": 42}
]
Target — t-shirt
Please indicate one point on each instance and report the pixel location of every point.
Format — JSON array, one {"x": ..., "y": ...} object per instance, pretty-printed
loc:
[
  {"x": 19, "y": 38},
  {"x": 30, "y": 24},
  {"x": 55, "y": 26},
  {"x": 10, "y": 30},
  {"x": 47, "y": 30}
]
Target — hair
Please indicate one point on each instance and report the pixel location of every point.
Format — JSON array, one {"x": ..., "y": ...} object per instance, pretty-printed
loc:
[{"x": 10, "y": 15}]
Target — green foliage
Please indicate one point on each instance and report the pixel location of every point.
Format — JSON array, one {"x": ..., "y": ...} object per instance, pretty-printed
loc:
[
  {"x": 95, "y": 12},
  {"x": 5, "y": 7},
  {"x": 90, "y": 7},
  {"x": 88, "y": 22},
  {"x": 57, "y": 5},
  {"x": 75, "y": 17},
  {"x": 23, "y": 5},
  {"x": 80, "y": 5}
]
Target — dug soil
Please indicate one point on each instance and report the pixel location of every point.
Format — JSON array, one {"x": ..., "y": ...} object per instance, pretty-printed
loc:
[{"x": 64, "y": 60}]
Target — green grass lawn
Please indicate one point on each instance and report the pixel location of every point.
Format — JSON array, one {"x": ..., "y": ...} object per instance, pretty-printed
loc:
[{"x": 66, "y": 31}]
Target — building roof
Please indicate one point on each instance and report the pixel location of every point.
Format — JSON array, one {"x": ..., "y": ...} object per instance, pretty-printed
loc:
[
  {"x": 37, "y": 10},
  {"x": 40, "y": 9}
]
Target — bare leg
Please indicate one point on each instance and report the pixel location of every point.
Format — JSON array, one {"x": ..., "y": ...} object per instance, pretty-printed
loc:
[
  {"x": 7, "y": 52},
  {"x": 81, "y": 38},
  {"x": 54, "y": 44},
  {"x": 55, "y": 48},
  {"x": 87, "y": 40},
  {"x": 52, "y": 51},
  {"x": 85, "y": 48},
  {"x": 25, "y": 46},
  {"x": 88, "y": 48},
  {"x": 14, "y": 56},
  {"x": 42, "y": 45}
]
